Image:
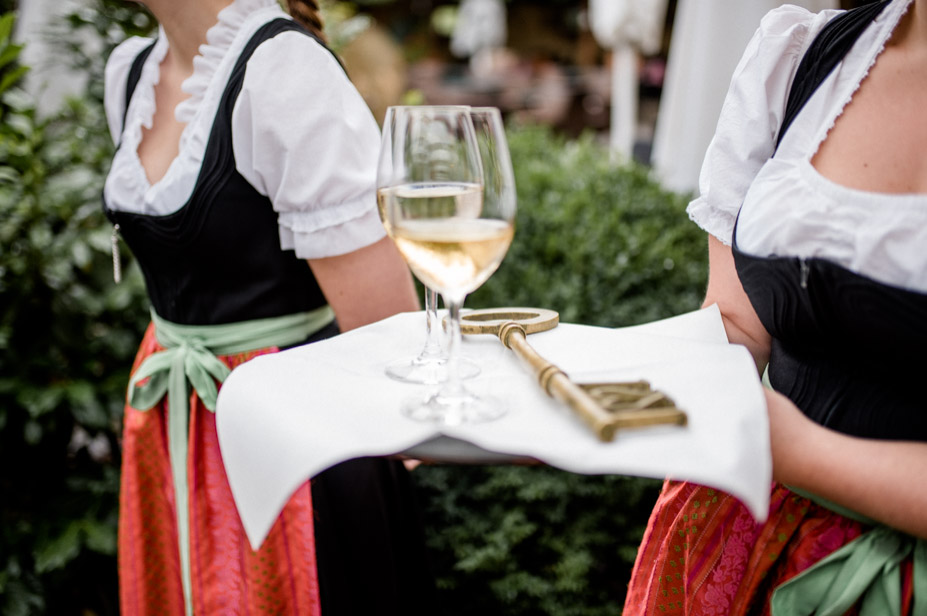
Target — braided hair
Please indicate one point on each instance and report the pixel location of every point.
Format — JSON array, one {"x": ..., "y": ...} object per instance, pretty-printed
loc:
[{"x": 307, "y": 13}]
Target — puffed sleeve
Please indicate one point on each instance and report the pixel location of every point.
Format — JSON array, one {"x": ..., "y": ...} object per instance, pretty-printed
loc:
[
  {"x": 304, "y": 137},
  {"x": 114, "y": 82},
  {"x": 749, "y": 122}
]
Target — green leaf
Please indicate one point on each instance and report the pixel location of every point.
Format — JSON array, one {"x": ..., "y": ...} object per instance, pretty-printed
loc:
[
  {"x": 57, "y": 552},
  {"x": 32, "y": 433},
  {"x": 81, "y": 255},
  {"x": 101, "y": 537},
  {"x": 87, "y": 409},
  {"x": 21, "y": 125},
  {"x": 38, "y": 401},
  {"x": 6, "y": 28},
  {"x": 9, "y": 54}
]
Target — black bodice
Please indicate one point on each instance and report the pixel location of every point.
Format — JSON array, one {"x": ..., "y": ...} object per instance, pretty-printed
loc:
[
  {"x": 847, "y": 350},
  {"x": 218, "y": 258}
]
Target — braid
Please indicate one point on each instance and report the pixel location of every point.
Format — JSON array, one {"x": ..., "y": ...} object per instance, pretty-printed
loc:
[{"x": 307, "y": 13}]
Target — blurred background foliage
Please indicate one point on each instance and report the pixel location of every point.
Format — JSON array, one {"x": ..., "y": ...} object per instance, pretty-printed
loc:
[
  {"x": 67, "y": 339},
  {"x": 602, "y": 244}
]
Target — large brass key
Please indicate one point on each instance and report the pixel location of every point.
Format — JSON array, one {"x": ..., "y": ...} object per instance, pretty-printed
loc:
[{"x": 604, "y": 407}]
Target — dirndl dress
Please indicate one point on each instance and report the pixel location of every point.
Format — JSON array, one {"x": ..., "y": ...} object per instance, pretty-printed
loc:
[
  {"x": 348, "y": 542},
  {"x": 841, "y": 339}
]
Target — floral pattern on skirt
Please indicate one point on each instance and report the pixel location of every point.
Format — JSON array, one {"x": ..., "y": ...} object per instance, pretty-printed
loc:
[{"x": 703, "y": 554}]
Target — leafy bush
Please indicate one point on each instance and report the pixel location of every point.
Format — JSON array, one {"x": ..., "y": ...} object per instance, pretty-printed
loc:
[
  {"x": 532, "y": 540},
  {"x": 67, "y": 338},
  {"x": 602, "y": 245}
]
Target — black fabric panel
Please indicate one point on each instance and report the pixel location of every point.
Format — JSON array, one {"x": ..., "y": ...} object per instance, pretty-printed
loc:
[
  {"x": 846, "y": 349},
  {"x": 370, "y": 545}
]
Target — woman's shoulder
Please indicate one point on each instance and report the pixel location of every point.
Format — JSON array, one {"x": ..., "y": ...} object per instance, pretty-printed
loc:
[
  {"x": 751, "y": 115},
  {"x": 762, "y": 79},
  {"x": 294, "y": 52},
  {"x": 294, "y": 67},
  {"x": 783, "y": 35},
  {"x": 123, "y": 55},
  {"x": 794, "y": 21}
]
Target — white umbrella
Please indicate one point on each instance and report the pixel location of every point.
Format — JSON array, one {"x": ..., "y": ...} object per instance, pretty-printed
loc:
[
  {"x": 481, "y": 27},
  {"x": 627, "y": 27}
]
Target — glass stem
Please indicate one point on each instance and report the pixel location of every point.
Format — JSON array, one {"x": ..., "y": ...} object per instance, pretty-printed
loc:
[
  {"x": 453, "y": 386},
  {"x": 432, "y": 325}
]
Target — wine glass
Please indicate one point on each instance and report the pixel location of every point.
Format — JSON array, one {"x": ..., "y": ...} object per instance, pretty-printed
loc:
[
  {"x": 429, "y": 367},
  {"x": 452, "y": 237}
]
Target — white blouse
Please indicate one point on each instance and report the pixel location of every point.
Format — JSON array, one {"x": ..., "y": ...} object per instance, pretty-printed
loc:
[
  {"x": 301, "y": 133},
  {"x": 786, "y": 207}
]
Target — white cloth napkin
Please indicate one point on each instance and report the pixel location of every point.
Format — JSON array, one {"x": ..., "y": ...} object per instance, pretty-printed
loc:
[{"x": 285, "y": 417}]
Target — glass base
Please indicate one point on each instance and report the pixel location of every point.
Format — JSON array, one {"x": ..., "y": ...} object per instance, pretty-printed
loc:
[
  {"x": 453, "y": 410},
  {"x": 429, "y": 370}
]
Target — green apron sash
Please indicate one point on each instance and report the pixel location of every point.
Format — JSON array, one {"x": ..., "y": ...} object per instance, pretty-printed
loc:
[
  {"x": 189, "y": 357},
  {"x": 866, "y": 570}
]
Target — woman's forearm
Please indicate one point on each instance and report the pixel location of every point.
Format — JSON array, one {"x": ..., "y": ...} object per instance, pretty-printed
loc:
[
  {"x": 881, "y": 479},
  {"x": 758, "y": 345}
]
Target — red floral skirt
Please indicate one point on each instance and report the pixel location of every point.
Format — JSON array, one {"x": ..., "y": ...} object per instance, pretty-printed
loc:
[
  {"x": 703, "y": 554},
  {"x": 228, "y": 577}
]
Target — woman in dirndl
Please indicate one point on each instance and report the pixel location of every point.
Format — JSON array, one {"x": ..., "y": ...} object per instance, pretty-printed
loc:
[
  {"x": 243, "y": 182},
  {"x": 817, "y": 262}
]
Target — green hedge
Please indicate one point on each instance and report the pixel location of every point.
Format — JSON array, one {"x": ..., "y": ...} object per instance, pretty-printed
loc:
[{"x": 602, "y": 245}]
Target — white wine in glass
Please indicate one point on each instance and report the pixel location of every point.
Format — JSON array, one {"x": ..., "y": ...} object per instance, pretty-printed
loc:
[
  {"x": 451, "y": 235},
  {"x": 429, "y": 367},
  {"x": 456, "y": 256}
]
